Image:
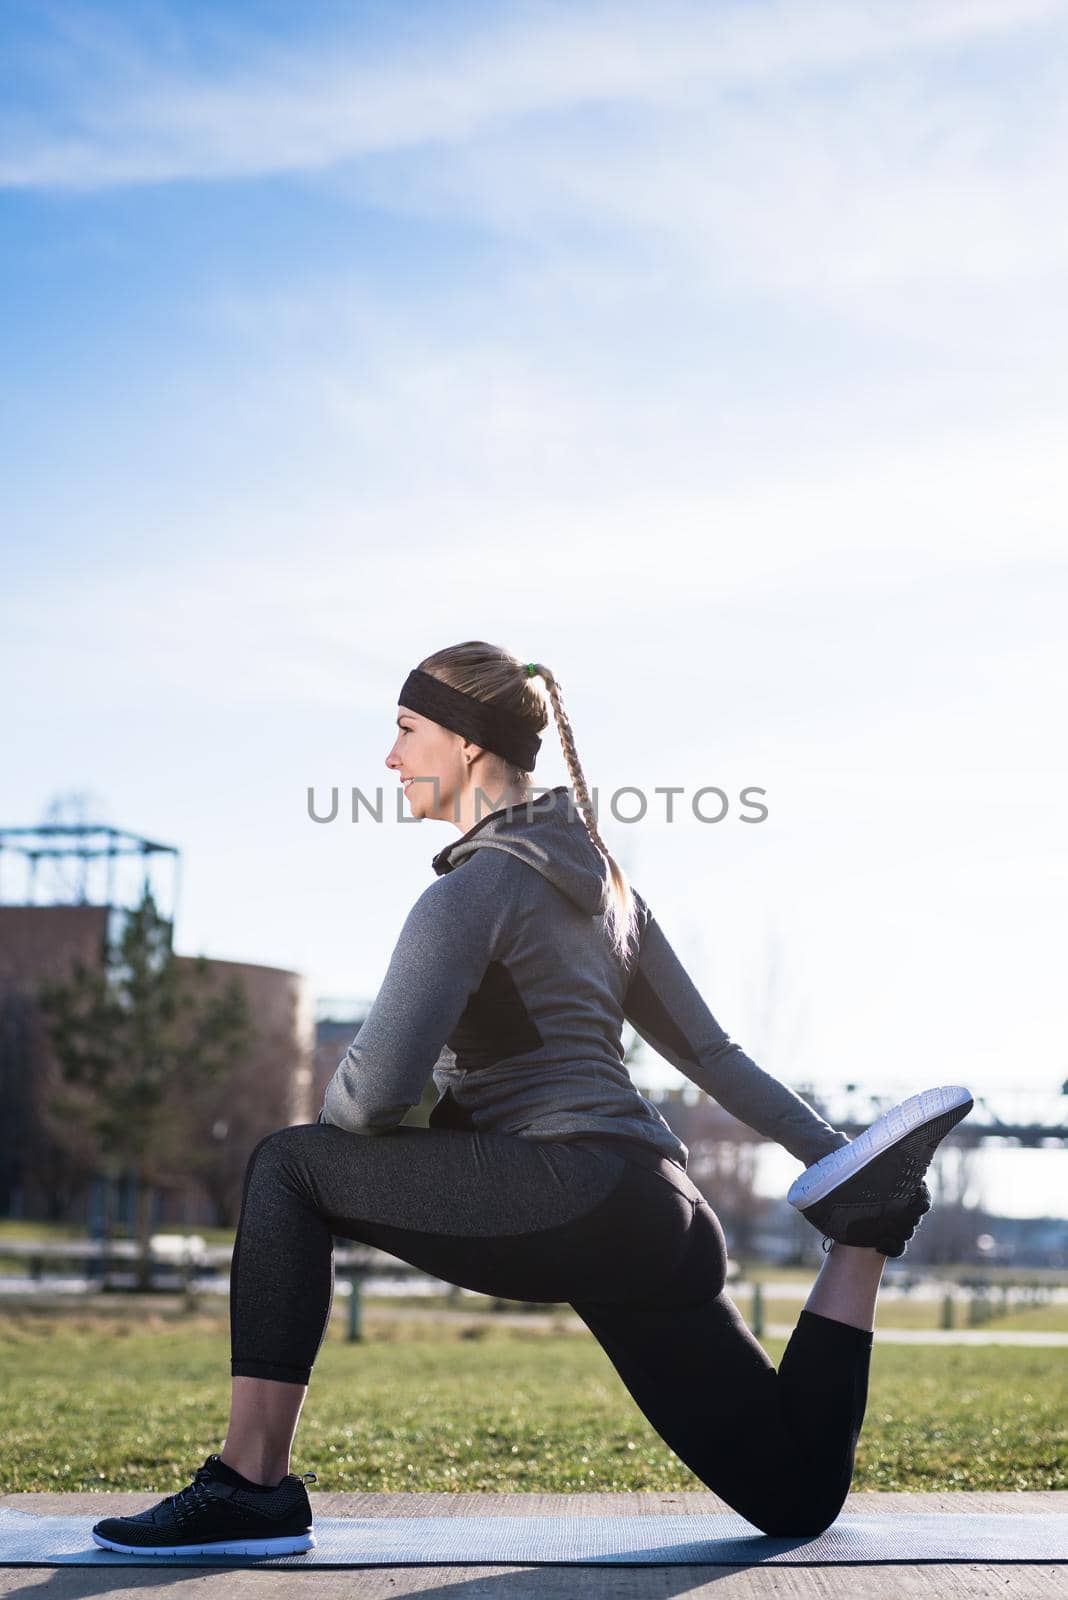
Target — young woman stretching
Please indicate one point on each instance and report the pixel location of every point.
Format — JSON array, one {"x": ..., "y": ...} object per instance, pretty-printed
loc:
[{"x": 544, "y": 1175}]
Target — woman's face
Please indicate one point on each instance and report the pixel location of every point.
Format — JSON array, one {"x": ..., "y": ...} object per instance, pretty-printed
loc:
[{"x": 426, "y": 751}]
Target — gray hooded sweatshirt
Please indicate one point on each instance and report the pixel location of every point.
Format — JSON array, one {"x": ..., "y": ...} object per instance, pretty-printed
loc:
[{"x": 503, "y": 985}]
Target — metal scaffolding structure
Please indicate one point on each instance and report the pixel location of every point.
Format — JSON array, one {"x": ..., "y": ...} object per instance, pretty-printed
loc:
[
  {"x": 1026, "y": 1119},
  {"x": 86, "y": 864}
]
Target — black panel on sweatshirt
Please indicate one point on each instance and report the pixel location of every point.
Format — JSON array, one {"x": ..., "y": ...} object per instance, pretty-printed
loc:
[{"x": 495, "y": 1025}]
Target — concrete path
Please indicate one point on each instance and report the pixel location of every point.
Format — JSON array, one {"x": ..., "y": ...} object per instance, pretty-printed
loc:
[
  {"x": 562, "y": 1318},
  {"x": 566, "y": 1319},
  {"x": 934, "y": 1581}
]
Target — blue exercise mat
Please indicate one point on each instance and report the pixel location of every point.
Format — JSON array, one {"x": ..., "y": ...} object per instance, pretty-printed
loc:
[{"x": 709, "y": 1540}]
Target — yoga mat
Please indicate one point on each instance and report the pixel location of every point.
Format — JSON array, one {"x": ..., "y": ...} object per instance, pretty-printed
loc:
[{"x": 714, "y": 1540}]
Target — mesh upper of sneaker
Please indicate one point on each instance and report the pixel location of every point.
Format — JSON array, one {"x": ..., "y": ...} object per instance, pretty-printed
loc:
[
  {"x": 876, "y": 1226},
  {"x": 880, "y": 1227},
  {"x": 888, "y": 1184},
  {"x": 214, "y": 1503}
]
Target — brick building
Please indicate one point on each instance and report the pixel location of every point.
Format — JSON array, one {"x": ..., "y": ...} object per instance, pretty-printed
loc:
[{"x": 45, "y": 1176}]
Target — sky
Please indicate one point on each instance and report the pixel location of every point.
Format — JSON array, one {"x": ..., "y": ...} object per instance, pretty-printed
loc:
[{"x": 710, "y": 353}]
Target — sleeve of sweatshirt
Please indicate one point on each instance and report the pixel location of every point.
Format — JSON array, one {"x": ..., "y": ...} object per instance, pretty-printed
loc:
[
  {"x": 664, "y": 1006},
  {"x": 448, "y": 939}
]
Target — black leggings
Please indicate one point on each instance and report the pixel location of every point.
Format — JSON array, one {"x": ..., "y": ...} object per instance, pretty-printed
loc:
[{"x": 608, "y": 1226}]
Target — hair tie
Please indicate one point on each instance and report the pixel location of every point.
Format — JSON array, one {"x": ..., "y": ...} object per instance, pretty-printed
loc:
[{"x": 532, "y": 667}]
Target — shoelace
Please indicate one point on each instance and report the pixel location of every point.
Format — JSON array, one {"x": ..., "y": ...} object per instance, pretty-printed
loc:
[
  {"x": 192, "y": 1498},
  {"x": 195, "y": 1495}
]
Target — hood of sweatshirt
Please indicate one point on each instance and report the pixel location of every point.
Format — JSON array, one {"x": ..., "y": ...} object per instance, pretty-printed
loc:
[{"x": 549, "y": 835}]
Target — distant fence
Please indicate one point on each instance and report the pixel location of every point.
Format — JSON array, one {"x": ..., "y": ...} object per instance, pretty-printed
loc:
[
  {"x": 172, "y": 1259},
  {"x": 176, "y": 1262}
]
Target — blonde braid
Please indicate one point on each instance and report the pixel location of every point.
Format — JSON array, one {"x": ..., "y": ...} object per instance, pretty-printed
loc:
[{"x": 620, "y": 905}]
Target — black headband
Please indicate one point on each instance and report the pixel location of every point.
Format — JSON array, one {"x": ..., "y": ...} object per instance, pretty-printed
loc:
[{"x": 490, "y": 726}]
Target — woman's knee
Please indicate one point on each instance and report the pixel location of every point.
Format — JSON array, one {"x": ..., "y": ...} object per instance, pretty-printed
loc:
[
  {"x": 803, "y": 1514},
  {"x": 281, "y": 1140},
  {"x": 279, "y": 1149}
]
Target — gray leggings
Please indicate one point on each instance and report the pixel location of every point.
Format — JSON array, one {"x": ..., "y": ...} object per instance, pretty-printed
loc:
[{"x": 605, "y": 1225}]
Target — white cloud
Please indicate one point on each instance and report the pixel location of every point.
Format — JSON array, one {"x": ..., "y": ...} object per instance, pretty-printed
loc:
[
  {"x": 913, "y": 540},
  {"x": 304, "y": 107}
]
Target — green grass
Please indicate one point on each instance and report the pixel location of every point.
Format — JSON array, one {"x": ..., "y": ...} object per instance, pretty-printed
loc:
[
  {"x": 136, "y": 1401},
  {"x": 14, "y": 1228}
]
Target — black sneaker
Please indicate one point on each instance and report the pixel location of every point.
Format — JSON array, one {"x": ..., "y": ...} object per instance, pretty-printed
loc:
[
  {"x": 871, "y": 1192},
  {"x": 215, "y": 1515},
  {"x": 891, "y": 1232}
]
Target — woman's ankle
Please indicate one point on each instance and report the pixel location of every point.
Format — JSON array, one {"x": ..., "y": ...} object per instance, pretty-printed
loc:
[{"x": 264, "y": 1475}]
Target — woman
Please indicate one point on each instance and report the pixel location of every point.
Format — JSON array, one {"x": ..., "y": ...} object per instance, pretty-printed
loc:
[{"x": 544, "y": 1175}]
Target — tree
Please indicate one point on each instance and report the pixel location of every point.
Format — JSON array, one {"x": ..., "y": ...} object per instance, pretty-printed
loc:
[{"x": 136, "y": 1040}]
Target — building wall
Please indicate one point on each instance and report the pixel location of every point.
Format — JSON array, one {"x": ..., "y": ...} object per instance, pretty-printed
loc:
[
  {"x": 38, "y": 1177},
  {"x": 39, "y": 942},
  {"x": 49, "y": 1176},
  {"x": 281, "y": 1069},
  {"x": 333, "y": 1035}
]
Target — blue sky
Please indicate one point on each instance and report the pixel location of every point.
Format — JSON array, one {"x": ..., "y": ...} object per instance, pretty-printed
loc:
[{"x": 711, "y": 353}]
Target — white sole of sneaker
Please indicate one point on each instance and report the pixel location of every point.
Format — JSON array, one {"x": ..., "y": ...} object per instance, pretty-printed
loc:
[
  {"x": 824, "y": 1175},
  {"x": 289, "y": 1545}
]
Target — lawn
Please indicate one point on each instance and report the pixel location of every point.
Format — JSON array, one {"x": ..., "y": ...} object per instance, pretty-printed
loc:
[{"x": 136, "y": 1402}]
